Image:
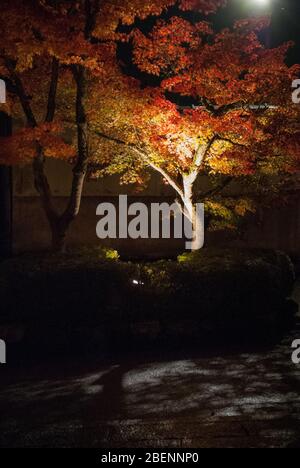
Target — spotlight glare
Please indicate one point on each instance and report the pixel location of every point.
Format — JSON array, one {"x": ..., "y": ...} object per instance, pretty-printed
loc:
[{"x": 262, "y": 2}]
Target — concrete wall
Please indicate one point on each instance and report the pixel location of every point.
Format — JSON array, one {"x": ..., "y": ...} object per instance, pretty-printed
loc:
[
  {"x": 59, "y": 175},
  {"x": 279, "y": 228}
]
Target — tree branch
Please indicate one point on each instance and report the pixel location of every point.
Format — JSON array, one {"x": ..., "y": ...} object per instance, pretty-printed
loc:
[
  {"x": 146, "y": 159},
  {"x": 51, "y": 104},
  {"x": 42, "y": 186},
  {"x": 80, "y": 169},
  {"x": 228, "y": 140},
  {"x": 223, "y": 110},
  {"x": 20, "y": 91},
  {"x": 91, "y": 10},
  {"x": 159, "y": 169},
  {"x": 114, "y": 140},
  {"x": 200, "y": 155},
  {"x": 40, "y": 179},
  {"x": 218, "y": 189}
]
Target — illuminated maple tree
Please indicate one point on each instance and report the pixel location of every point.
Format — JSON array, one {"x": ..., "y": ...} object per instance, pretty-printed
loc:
[
  {"x": 218, "y": 103},
  {"x": 52, "y": 49},
  {"x": 222, "y": 108}
]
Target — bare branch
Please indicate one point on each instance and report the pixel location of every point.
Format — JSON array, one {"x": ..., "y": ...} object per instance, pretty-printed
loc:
[
  {"x": 51, "y": 105},
  {"x": 218, "y": 189},
  {"x": 42, "y": 186},
  {"x": 91, "y": 10},
  {"x": 40, "y": 178},
  {"x": 143, "y": 155},
  {"x": 21, "y": 93},
  {"x": 200, "y": 156},
  {"x": 159, "y": 169},
  {"x": 80, "y": 169},
  {"x": 228, "y": 140},
  {"x": 114, "y": 140}
]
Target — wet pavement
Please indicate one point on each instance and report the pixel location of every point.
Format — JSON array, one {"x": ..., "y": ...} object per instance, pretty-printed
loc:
[{"x": 217, "y": 399}]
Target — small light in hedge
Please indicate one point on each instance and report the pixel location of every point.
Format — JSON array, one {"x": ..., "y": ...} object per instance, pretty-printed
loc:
[{"x": 137, "y": 283}]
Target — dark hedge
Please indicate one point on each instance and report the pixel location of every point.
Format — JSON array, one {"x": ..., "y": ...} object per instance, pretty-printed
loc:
[{"x": 87, "y": 298}]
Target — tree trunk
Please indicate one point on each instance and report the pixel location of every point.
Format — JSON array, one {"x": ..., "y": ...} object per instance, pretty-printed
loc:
[
  {"x": 59, "y": 224},
  {"x": 80, "y": 170},
  {"x": 194, "y": 214},
  {"x": 58, "y": 239}
]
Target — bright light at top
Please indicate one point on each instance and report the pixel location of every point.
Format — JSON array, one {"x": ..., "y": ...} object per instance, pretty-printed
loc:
[{"x": 262, "y": 2}]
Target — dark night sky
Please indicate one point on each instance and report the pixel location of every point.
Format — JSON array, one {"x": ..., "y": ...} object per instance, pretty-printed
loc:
[
  {"x": 285, "y": 26},
  {"x": 285, "y": 20}
]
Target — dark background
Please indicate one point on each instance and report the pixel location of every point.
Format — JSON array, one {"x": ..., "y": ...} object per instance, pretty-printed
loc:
[
  {"x": 284, "y": 27},
  {"x": 285, "y": 20}
]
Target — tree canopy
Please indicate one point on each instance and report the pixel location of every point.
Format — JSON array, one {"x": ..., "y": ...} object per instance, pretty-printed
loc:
[{"x": 119, "y": 86}]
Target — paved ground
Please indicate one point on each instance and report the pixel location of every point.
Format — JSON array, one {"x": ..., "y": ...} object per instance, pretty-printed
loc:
[{"x": 238, "y": 399}]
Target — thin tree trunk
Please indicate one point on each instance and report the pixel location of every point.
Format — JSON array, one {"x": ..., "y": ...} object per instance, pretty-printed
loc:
[
  {"x": 62, "y": 224},
  {"x": 192, "y": 213},
  {"x": 42, "y": 186},
  {"x": 59, "y": 225},
  {"x": 59, "y": 235}
]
